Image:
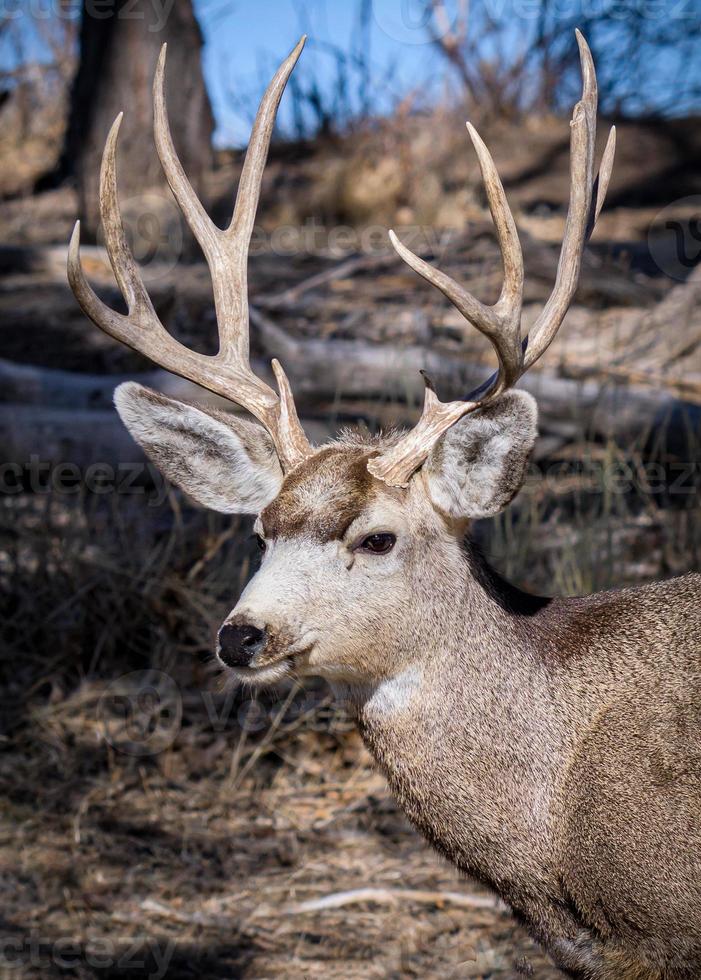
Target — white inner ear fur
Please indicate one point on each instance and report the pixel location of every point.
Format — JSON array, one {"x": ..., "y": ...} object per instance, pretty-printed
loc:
[
  {"x": 223, "y": 462},
  {"x": 479, "y": 465}
]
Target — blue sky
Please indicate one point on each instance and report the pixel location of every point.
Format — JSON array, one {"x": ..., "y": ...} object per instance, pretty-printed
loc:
[{"x": 245, "y": 39}]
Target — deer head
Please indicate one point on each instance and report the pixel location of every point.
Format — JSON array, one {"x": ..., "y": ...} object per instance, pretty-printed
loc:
[{"x": 359, "y": 535}]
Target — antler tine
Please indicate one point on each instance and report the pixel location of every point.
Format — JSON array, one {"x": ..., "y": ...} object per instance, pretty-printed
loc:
[
  {"x": 501, "y": 322},
  {"x": 228, "y": 373},
  {"x": 396, "y": 465},
  {"x": 88, "y": 300},
  {"x": 140, "y": 328},
  {"x": 124, "y": 267},
  {"x": 226, "y": 251},
  {"x": 202, "y": 227},
  {"x": 583, "y": 210},
  {"x": 241, "y": 228},
  {"x": 507, "y": 341},
  {"x": 601, "y": 184}
]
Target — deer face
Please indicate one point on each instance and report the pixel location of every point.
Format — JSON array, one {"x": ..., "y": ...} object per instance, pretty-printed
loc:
[
  {"x": 357, "y": 577},
  {"x": 337, "y": 573}
]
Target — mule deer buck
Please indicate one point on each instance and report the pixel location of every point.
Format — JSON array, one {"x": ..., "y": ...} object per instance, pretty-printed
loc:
[{"x": 551, "y": 748}]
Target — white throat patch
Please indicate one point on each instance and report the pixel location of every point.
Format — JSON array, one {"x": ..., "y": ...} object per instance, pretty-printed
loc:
[{"x": 396, "y": 694}]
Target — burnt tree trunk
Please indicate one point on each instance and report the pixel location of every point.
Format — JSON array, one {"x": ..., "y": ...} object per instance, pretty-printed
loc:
[{"x": 119, "y": 49}]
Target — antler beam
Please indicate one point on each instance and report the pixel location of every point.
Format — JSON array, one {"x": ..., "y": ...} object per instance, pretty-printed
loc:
[
  {"x": 501, "y": 323},
  {"x": 228, "y": 373}
]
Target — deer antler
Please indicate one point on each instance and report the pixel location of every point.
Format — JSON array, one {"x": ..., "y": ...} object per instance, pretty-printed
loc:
[
  {"x": 501, "y": 323},
  {"x": 228, "y": 373}
]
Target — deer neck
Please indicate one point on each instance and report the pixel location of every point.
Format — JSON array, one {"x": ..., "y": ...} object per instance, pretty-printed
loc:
[{"x": 468, "y": 733}]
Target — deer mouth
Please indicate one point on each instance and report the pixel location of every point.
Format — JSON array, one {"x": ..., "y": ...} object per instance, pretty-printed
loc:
[
  {"x": 265, "y": 674},
  {"x": 271, "y": 669}
]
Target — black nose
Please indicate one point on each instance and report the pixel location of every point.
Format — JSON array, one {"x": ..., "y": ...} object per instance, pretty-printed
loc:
[{"x": 239, "y": 643}]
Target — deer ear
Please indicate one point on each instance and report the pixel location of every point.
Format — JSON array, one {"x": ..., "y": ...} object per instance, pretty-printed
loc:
[
  {"x": 479, "y": 465},
  {"x": 226, "y": 463}
]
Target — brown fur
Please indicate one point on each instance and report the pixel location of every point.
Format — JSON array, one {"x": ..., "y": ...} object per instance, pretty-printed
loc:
[
  {"x": 321, "y": 497},
  {"x": 555, "y": 752},
  {"x": 558, "y": 760}
]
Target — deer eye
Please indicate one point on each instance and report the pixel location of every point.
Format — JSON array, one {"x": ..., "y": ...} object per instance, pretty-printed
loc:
[
  {"x": 260, "y": 541},
  {"x": 378, "y": 544}
]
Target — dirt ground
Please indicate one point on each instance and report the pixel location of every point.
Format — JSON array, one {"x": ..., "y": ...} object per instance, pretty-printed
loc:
[{"x": 196, "y": 861}]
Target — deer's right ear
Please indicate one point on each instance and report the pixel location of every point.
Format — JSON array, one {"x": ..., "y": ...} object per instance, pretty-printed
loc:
[
  {"x": 480, "y": 463},
  {"x": 223, "y": 462}
]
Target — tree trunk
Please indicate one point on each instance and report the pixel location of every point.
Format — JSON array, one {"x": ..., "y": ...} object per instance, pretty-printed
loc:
[{"x": 119, "y": 48}]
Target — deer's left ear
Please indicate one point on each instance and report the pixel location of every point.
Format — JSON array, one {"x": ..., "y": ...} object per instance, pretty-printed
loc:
[
  {"x": 222, "y": 461},
  {"x": 479, "y": 465}
]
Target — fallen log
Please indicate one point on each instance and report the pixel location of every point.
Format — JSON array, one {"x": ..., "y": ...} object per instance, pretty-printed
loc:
[
  {"x": 343, "y": 372},
  {"x": 24, "y": 384},
  {"x": 40, "y": 434},
  {"x": 64, "y": 415},
  {"x": 44, "y": 434},
  {"x": 635, "y": 419}
]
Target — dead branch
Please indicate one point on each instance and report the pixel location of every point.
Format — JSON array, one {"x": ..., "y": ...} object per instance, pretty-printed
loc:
[
  {"x": 359, "y": 263},
  {"x": 218, "y": 912},
  {"x": 389, "y": 896},
  {"x": 450, "y": 41}
]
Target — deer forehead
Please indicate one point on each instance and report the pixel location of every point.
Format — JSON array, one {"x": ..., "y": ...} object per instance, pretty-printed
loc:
[{"x": 323, "y": 496}]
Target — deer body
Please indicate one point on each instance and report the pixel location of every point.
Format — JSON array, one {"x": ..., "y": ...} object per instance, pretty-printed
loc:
[
  {"x": 541, "y": 752},
  {"x": 549, "y": 747}
]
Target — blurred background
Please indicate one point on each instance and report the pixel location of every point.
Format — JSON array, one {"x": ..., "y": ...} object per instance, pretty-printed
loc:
[{"x": 154, "y": 822}]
